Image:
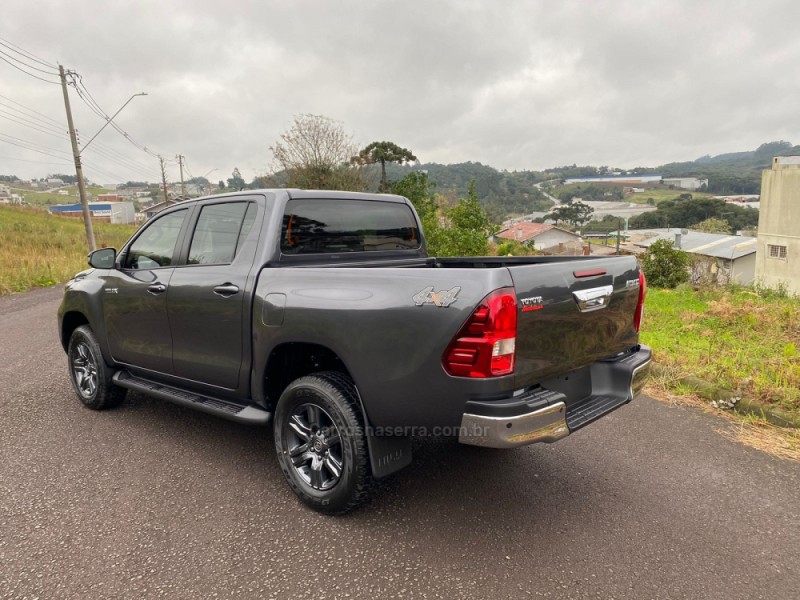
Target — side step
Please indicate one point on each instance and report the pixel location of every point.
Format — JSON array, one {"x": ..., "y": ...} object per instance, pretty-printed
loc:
[{"x": 250, "y": 414}]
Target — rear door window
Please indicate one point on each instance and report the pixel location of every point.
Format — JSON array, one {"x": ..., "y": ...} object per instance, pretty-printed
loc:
[
  {"x": 219, "y": 232},
  {"x": 340, "y": 226}
]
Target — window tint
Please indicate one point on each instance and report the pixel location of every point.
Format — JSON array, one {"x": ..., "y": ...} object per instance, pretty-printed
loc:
[
  {"x": 156, "y": 244},
  {"x": 333, "y": 226},
  {"x": 218, "y": 232}
]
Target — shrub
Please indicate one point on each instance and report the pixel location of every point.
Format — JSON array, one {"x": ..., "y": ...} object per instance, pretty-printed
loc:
[{"x": 664, "y": 265}]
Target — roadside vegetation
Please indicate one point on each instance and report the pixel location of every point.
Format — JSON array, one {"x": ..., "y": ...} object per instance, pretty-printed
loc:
[
  {"x": 38, "y": 249},
  {"x": 738, "y": 340}
]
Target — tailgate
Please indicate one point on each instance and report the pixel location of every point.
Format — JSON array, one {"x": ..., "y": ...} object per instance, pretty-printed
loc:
[{"x": 573, "y": 313}]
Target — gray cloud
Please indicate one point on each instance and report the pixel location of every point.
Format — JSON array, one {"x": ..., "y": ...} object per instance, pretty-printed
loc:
[{"x": 517, "y": 85}]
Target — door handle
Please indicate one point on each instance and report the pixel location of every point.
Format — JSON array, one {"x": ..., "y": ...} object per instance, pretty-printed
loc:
[
  {"x": 226, "y": 290},
  {"x": 156, "y": 288}
]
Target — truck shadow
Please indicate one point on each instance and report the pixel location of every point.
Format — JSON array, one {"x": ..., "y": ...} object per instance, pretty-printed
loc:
[{"x": 457, "y": 493}]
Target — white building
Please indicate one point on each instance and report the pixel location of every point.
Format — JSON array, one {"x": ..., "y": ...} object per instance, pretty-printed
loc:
[{"x": 685, "y": 183}]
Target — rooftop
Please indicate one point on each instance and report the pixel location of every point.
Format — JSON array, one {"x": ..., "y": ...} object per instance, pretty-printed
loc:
[{"x": 718, "y": 245}]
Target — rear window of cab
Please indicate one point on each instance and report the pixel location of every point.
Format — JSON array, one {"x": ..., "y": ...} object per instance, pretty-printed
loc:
[{"x": 339, "y": 226}]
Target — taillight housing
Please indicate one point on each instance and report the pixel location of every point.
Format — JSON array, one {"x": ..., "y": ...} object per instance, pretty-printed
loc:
[
  {"x": 637, "y": 316},
  {"x": 486, "y": 344}
]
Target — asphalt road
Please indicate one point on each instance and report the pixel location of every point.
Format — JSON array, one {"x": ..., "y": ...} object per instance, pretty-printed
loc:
[{"x": 152, "y": 500}]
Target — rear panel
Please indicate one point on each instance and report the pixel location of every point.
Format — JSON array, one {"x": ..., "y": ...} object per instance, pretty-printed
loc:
[{"x": 568, "y": 321}]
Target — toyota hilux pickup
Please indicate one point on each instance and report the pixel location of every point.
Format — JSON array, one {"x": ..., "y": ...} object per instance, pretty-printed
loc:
[{"x": 321, "y": 314}]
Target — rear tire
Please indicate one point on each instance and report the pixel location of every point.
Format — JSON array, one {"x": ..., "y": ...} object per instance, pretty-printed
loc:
[
  {"x": 321, "y": 443},
  {"x": 90, "y": 376}
]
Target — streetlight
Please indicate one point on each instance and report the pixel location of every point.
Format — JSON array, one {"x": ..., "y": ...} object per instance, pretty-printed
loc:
[{"x": 86, "y": 145}]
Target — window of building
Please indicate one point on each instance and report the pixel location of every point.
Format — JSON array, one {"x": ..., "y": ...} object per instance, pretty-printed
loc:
[{"x": 775, "y": 251}]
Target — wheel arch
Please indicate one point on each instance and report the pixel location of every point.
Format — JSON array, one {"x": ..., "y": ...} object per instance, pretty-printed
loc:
[
  {"x": 69, "y": 323},
  {"x": 291, "y": 360}
]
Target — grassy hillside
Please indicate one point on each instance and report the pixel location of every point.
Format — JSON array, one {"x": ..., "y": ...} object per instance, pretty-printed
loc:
[
  {"x": 743, "y": 340},
  {"x": 39, "y": 249}
]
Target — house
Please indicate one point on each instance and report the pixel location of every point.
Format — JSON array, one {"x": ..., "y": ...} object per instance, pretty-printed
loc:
[
  {"x": 541, "y": 236},
  {"x": 778, "y": 256},
  {"x": 728, "y": 258},
  {"x": 154, "y": 209},
  {"x": 628, "y": 180}
]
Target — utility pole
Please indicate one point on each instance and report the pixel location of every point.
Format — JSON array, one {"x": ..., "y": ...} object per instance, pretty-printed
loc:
[
  {"x": 183, "y": 185},
  {"x": 87, "y": 217},
  {"x": 164, "y": 177}
]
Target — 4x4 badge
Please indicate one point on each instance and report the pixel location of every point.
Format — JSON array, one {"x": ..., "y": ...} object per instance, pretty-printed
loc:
[{"x": 442, "y": 299}]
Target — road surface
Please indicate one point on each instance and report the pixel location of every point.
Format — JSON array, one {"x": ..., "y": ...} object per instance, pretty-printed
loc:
[{"x": 151, "y": 500}]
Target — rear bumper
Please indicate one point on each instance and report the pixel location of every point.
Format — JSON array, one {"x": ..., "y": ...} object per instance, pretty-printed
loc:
[{"x": 559, "y": 406}]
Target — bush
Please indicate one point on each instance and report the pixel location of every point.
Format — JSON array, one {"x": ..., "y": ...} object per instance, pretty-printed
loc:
[{"x": 664, "y": 265}]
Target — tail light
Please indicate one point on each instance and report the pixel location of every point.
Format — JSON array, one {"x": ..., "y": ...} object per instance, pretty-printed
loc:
[
  {"x": 485, "y": 345},
  {"x": 637, "y": 316}
]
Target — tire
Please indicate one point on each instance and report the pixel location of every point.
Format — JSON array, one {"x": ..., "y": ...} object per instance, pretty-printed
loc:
[
  {"x": 90, "y": 376},
  {"x": 321, "y": 443}
]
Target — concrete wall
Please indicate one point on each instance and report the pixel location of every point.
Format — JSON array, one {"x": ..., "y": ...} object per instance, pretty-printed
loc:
[
  {"x": 743, "y": 270},
  {"x": 779, "y": 225}
]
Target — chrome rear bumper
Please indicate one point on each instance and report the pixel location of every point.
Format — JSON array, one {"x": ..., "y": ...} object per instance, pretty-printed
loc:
[
  {"x": 547, "y": 424},
  {"x": 559, "y": 406}
]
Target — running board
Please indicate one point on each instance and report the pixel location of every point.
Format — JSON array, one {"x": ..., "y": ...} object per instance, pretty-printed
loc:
[{"x": 250, "y": 414}]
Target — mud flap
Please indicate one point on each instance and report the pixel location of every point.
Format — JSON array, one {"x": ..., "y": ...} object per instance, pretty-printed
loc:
[{"x": 388, "y": 454}]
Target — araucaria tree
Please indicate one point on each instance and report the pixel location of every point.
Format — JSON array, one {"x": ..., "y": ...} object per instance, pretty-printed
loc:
[
  {"x": 383, "y": 152},
  {"x": 315, "y": 153}
]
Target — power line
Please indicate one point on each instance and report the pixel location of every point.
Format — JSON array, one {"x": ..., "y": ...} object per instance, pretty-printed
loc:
[
  {"x": 27, "y": 73},
  {"x": 41, "y": 162},
  {"x": 5, "y": 115},
  {"x": 29, "y": 148},
  {"x": 25, "y": 53},
  {"x": 44, "y": 116},
  {"x": 23, "y": 63},
  {"x": 88, "y": 99},
  {"x": 18, "y": 114}
]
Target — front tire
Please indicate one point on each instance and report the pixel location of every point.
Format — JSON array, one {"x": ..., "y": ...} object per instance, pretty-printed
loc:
[
  {"x": 90, "y": 376},
  {"x": 321, "y": 443}
]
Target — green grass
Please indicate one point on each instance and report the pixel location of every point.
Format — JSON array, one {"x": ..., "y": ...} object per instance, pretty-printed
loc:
[
  {"x": 38, "y": 249},
  {"x": 738, "y": 339}
]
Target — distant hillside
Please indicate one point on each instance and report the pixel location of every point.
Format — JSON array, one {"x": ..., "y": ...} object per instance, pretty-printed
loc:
[
  {"x": 501, "y": 193},
  {"x": 733, "y": 172}
]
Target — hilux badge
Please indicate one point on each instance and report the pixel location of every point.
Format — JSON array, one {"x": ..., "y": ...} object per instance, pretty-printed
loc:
[{"x": 442, "y": 299}]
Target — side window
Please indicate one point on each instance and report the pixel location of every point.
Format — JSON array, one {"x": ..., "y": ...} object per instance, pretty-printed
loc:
[
  {"x": 156, "y": 244},
  {"x": 220, "y": 231}
]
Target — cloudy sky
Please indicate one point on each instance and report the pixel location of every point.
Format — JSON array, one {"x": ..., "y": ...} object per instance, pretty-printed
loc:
[{"x": 515, "y": 85}]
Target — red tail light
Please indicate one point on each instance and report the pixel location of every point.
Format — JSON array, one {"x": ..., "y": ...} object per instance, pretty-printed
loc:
[
  {"x": 637, "y": 316},
  {"x": 485, "y": 345}
]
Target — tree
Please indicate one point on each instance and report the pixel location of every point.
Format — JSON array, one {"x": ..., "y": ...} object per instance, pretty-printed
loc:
[
  {"x": 236, "y": 181},
  {"x": 221, "y": 184},
  {"x": 383, "y": 152},
  {"x": 664, "y": 265},
  {"x": 574, "y": 213},
  {"x": 416, "y": 187},
  {"x": 713, "y": 225},
  {"x": 315, "y": 153},
  {"x": 466, "y": 234}
]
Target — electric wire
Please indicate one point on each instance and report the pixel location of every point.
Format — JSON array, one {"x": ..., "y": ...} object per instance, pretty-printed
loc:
[{"x": 26, "y": 53}]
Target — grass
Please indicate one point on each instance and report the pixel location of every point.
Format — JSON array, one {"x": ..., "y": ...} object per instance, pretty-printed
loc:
[
  {"x": 35, "y": 198},
  {"x": 38, "y": 249},
  {"x": 657, "y": 193},
  {"x": 743, "y": 340}
]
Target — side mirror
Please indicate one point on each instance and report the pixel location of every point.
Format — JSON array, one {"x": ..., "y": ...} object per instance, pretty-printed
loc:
[{"x": 104, "y": 258}]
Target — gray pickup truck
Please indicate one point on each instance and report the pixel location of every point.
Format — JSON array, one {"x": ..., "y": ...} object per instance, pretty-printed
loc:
[{"x": 321, "y": 313}]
